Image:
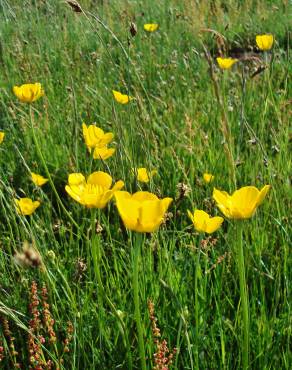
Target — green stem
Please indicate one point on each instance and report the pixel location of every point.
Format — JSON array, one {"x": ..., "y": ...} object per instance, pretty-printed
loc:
[
  {"x": 96, "y": 256},
  {"x": 197, "y": 261},
  {"x": 243, "y": 297},
  {"x": 42, "y": 159},
  {"x": 136, "y": 258}
]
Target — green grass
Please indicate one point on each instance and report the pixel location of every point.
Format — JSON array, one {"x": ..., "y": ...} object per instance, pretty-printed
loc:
[{"x": 173, "y": 125}]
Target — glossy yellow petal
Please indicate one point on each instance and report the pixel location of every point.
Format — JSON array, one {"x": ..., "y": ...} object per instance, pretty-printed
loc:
[
  {"x": 142, "y": 175},
  {"x": 38, "y": 180},
  {"x": 142, "y": 211},
  {"x": 100, "y": 178},
  {"x": 262, "y": 194},
  {"x": 242, "y": 204},
  {"x": 103, "y": 153},
  {"x": 121, "y": 98},
  {"x": 208, "y": 177},
  {"x": 28, "y": 93},
  {"x": 25, "y": 206},
  {"x": 118, "y": 185},
  {"x": 2, "y": 134},
  {"x": 142, "y": 196},
  {"x": 244, "y": 201},
  {"x": 223, "y": 201},
  {"x": 190, "y": 215},
  {"x": 128, "y": 209},
  {"x": 74, "y": 192},
  {"x": 213, "y": 224},
  {"x": 264, "y": 42},
  {"x": 76, "y": 179},
  {"x": 226, "y": 63},
  {"x": 150, "y": 27}
]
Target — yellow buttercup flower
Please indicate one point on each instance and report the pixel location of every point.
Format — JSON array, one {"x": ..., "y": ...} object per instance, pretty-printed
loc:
[
  {"x": 264, "y": 42},
  {"x": 226, "y": 63},
  {"x": 208, "y": 177},
  {"x": 150, "y": 27},
  {"x": 242, "y": 203},
  {"x": 142, "y": 211},
  {"x": 28, "y": 93},
  {"x": 2, "y": 134},
  {"x": 144, "y": 176},
  {"x": 204, "y": 223},
  {"x": 38, "y": 180},
  {"x": 26, "y": 206},
  {"x": 121, "y": 98},
  {"x": 103, "y": 153},
  {"x": 96, "y": 192},
  {"x": 95, "y": 136}
]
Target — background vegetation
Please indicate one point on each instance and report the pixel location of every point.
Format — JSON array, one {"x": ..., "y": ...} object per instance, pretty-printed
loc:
[{"x": 173, "y": 125}]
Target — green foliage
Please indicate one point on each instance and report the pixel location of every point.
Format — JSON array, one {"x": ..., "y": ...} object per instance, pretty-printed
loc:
[{"x": 173, "y": 125}]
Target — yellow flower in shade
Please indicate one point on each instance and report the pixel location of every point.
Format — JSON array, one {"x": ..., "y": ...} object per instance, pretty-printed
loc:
[
  {"x": 204, "y": 223},
  {"x": 38, "y": 180},
  {"x": 264, "y": 42},
  {"x": 142, "y": 211},
  {"x": 96, "y": 192},
  {"x": 226, "y": 63},
  {"x": 242, "y": 203},
  {"x": 122, "y": 98},
  {"x": 144, "y": 176},
  {"x": 95, "y": 136},
  {"x": 26, "y": 206},
  {"x": 103, "y": 153},
  {"x": 150, "y": 27},
  {"x": 2, "y": 134},
  {"x": 28, "y": 93},
  {"x": 208, "y": 177}
]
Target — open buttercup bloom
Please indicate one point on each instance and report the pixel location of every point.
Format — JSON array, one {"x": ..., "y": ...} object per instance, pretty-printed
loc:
[
  {"x": 28, "y": 93},
  {"x": 143, "y": 175},
  {"x": 150, "y": 27},
  {"x": 204, "y": 223},
  {"x": 103, "y": 153},
  {"x": 96, "y": 192},
  {"x": 242, "y": 203},
  {"x": 226, "y": 63},
  {"x": 2, "y": 134},
  {"x": 26, "y": 206},
  {"x": 142, "y": 211},
  {"x": 95, "y": 136},
  {"x": 208, "y": 177},
  {"x": 122, "y": 98},
  {"x": 264, "y": 42},
  {"x": 38, "y": 180}
]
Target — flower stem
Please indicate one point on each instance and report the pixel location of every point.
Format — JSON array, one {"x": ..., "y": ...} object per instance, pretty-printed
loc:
[
  {"x": 197, "y": 267},
  {"x": 42, "y": 159},
  {"x": 243, "y": 298},
  {"x": 136, "y": 258}
]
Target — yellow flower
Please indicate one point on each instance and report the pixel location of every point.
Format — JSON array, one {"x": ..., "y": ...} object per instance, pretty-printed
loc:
[
  {"x": 38, "y": 180},
  {"x": 226, "y": 63},
  {"x": 2, "y": 134},
  {"x": 122, "y": 98},
  {"x": 93, "y": 193},
  {"x": 25, "y": 206},
  {"x": 103, "y": 153},
  {"x": 150, "y": 27},
  {"x": 242, "y": 203},
  {"x": 28, "y": 93},
  {"x": 264, "y": 42},
  {"x": 141, "y": 211},
  {"x": 204, "y": 223},
  {"x": 144, "y": 176},
  {"x": 95, "y": 136},
  {"x": 208, "y": 177}
]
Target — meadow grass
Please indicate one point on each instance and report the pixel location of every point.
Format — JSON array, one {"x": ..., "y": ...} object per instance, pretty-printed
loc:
[{"x": 175, "y": 125}]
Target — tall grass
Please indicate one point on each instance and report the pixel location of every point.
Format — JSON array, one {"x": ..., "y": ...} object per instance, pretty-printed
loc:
[{"x": 173, "y": 125}]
